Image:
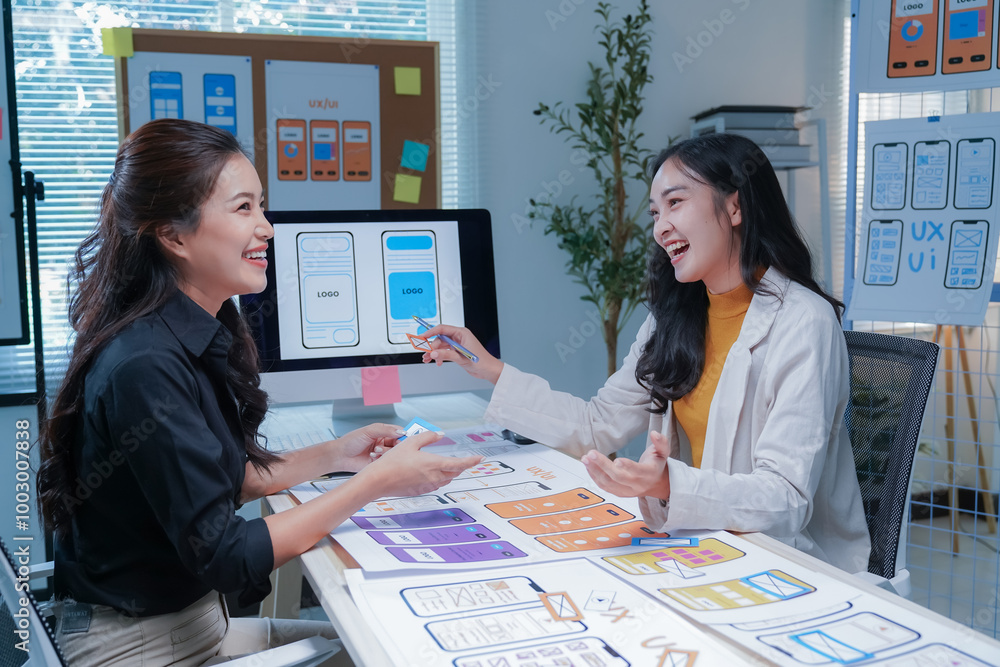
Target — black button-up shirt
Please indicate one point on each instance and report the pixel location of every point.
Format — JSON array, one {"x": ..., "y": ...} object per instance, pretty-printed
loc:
[{"x": 160, "y": 463}]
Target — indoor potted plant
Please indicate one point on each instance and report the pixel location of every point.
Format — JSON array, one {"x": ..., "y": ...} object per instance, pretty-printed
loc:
[{"x": 606, "y": 234}]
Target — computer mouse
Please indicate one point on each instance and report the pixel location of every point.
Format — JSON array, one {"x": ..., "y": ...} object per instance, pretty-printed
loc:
[{"x": 516, "y": 438}]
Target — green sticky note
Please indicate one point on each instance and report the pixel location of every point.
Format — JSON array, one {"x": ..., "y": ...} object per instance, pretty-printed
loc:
[
  {"x": 117, "y": 42},
  {"x": 407, "y": 189},
  {"x": 407, "y": 80},
  {"x": 415, "y": 155}
]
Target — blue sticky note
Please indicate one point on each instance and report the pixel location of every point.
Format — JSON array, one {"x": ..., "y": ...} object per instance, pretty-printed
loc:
[{"x": 415, "y": 155}]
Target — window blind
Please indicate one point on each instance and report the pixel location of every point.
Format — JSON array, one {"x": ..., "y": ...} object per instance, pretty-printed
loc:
[{"x": 68, "y": 125}]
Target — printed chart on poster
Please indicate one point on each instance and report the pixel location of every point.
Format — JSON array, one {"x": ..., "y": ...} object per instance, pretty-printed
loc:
[
  {"x": 212, "y": 89},
  {"x": 917, "y": 45},
  {"x": 570, "y": 613},
  {"x": 520, "y": 504},
  {"x": 323, "y": 134},
  {"x": 927, "y": 236}
]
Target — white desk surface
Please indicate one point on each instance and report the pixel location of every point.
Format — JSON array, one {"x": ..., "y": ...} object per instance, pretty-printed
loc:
[
  {"x": 323, "y": 567},
  {"x": 324, "y": 564}
]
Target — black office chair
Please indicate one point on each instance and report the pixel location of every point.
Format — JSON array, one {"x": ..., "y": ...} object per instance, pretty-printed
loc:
[
  {"x": 891, "y": 378},
  {"x": 21, "y": 623}
]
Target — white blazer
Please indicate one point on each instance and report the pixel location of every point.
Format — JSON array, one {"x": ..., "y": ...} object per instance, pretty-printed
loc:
[{"x": 777, "y": 457}]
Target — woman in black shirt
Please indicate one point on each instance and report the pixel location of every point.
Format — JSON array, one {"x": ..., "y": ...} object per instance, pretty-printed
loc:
[{"x": 152, "y": 441}]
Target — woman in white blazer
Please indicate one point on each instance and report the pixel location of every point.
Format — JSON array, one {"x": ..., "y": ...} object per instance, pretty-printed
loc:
[{"x": 776, "y": 457}]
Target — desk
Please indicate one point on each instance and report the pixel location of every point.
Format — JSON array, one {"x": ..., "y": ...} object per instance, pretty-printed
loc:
[{"x": 325, "y": 565}]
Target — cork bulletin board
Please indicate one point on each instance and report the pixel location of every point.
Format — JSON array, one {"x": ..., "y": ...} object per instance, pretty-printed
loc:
[{"x": 332, "y": 124}]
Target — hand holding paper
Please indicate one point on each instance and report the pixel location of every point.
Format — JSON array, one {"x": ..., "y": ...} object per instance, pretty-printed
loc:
[
  {"x": 357, "y": 448},
  {"x": 405, "y": 470}
]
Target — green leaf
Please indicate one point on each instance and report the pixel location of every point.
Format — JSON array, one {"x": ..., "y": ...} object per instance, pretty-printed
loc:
[{"x": 605, "y": 238}]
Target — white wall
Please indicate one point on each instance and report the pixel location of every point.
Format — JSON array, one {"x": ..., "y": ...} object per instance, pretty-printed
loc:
[{"x": 751, "y": 52}]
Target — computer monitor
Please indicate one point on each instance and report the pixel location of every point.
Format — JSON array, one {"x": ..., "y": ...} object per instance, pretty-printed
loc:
[{"x": 342, "y": 290}]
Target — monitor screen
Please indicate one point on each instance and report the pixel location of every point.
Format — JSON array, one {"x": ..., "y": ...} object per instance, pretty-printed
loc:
[{"x": 343, "y": 287}]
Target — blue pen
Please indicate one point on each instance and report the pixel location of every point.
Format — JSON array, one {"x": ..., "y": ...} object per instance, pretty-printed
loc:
[
  {"x": 458, "y": 348},
  {"x": 665, "y": 541}
]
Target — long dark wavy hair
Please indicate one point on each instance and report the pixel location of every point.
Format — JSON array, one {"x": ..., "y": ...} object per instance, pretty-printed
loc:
[
  {"x": 164, "y": 172},
  {"x": 673, "y": 358}
]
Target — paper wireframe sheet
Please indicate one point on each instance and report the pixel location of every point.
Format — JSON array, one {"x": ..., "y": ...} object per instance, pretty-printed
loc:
[
  {"x": 568, "y": 613},
  {"x": 725, "y": 579},
  {"x": 791, "y": 614},
  {"x": 863, "y": 629},
  {"x": 521, "y": 504}
]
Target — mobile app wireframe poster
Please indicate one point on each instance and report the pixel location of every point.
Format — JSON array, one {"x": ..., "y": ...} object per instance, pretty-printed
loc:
[
  {"x": 322, "y": 135},
  {"x": 927, "y": 237},
  {"x": 918, "y": 45},
  {"x": 213, "y": 89}
]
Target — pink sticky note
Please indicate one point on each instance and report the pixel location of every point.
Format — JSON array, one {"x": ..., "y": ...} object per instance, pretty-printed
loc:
[{"x": 380, "y": 385}]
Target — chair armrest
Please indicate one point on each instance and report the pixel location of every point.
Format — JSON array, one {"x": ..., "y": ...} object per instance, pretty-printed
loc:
[
  {"x": 899, "y": 585},
  {"x": 41, "y": 570}
]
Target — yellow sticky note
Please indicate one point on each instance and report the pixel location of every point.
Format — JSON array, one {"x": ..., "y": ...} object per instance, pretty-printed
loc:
[
  {"x": 407, "y": 80},
  {"x": 407, "y": 189},
  {"x": 117, "y": 42}
]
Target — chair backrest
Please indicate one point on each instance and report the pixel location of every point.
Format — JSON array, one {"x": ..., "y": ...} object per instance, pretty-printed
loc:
[
  {"x": 27, "y": 639},
  {"x": 891, "y": 377}
]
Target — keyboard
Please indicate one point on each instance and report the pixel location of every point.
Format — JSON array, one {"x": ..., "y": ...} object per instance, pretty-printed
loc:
[{"x": 287, "y": 442}]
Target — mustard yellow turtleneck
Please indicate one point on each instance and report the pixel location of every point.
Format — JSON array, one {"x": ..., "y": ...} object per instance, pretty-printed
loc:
[{"x": 725, "y": 319}]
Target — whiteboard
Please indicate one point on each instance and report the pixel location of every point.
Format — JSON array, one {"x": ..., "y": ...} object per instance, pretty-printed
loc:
[
  {"x": 13, "y": 279},
  {"x": 927, "y": 236}
]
